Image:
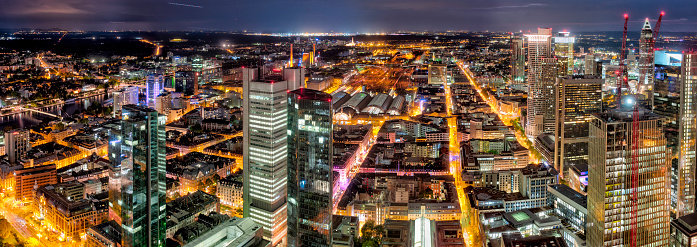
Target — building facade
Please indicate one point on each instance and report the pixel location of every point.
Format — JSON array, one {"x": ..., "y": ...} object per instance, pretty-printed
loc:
[
  {"x": 265, "y": 151},
  {"x": 154, "y": 84},
  {"x": 610, "y": 180},
  {"x": 688, "y": 130},
  {"x": 27, "y": 178},
  {"x": 17, "y": 143},
  {"x": 645, "y": 65},
  {"x": 542, "y": 71},
  {"x": 517, "y": 60},
  {"x": 143, "y": 183},
  {"x": 564, "y": 51},
  {"x": 310, "y": 169},
  {"x": 577, "y": 98}
]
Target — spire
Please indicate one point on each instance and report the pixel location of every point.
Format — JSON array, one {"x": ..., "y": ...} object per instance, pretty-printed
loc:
[{"x": 647, "y": 25}]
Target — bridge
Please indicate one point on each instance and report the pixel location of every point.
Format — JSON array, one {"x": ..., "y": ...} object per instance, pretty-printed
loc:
[{"x": 37, "y": 111}]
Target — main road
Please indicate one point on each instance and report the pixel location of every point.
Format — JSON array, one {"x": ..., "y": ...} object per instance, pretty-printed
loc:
[{"x": 470, "y": 220}]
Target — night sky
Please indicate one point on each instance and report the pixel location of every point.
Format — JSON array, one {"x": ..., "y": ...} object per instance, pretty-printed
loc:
[{"x": 343, "y": 15}]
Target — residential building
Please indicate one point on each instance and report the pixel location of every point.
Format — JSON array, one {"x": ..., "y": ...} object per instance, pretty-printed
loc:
[
  {"x": 184, "y": 210},
  {"x": 542, "y": 71},
  {"x": 229, "y": 190}
]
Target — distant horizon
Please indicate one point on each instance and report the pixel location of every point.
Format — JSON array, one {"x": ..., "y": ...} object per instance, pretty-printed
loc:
[
  {"x": 354, "y": 16},
  {"x": 410, "y": 32}
]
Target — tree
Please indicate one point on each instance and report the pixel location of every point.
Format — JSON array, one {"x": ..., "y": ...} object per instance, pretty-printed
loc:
[
  {"x": 200, "y": 185},
  {"x": 209, "y": 182},
  {"x": 60, "y": 126},
  {"x": 196, "y": 128},
  {"x": 216, "y": 178}
]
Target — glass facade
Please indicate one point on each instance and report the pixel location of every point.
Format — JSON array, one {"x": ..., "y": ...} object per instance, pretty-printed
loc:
[
  {"x": 265, "y": 150},
  {"x": 577, "y": 98},
  {"x": 310, "y": 156},
  {"x": 688, "y": 129},
  {"x": 142, "y": 168},
  {"x": 610, "y": 185}
]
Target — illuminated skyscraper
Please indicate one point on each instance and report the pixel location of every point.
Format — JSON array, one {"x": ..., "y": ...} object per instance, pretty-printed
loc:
[
  {"x": 542, "y": 73},
  {"x": 610, "y": 180},
  {"x": 310, "y": 174},
  {"x": 141, "y": 155},
  {"x": 578, "y": 97},
  {"x": 564, "y": 51},
  {"x": 666, "y": 102},
  {"x": 17, "y": 143},
  {"x": 687, "y": 136},
  {"x": 154, "y": 87},
  {"x": 265, "y": 151},
  {"x": 517, "y": 61},
  {"x": 645, "y": 84}
]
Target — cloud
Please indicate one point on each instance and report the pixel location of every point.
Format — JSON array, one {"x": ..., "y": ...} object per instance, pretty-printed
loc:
[{"x": 513, "y": 6}]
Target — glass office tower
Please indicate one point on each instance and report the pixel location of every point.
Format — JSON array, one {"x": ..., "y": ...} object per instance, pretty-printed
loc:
[
  {"x": 309, "y": 168},
  {"x": 142, "y": 156}
]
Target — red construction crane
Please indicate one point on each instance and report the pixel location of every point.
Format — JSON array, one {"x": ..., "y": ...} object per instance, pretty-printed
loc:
[
  {"x": 635, "y": 144},
  {"x": 622, "y": 73}
]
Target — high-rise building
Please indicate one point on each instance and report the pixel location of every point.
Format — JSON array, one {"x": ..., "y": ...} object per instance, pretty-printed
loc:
[
  {"x": 310, "y": 174},
  {"x": 141, "y": 158},
  {"x": 542, "y": 71},
  {"x": 17, "y": 143},
  {"x": 666, "y": 102},
  {"x": 645, "y": 84},
  {"x": 577, "y": 98},
  {"x": 125, "y": 96},
  {"x": 564, "y": 51},
  {"x": 517, "y": 61},
  {"x": 154, "y": 87},
  {"x": 163, "y": 103},
  {"x": 589, "y": 65},
  {"x": 265, "y": 151},
  {"x": 610, "y": 156},
  {"x": 687, "y": 132}
]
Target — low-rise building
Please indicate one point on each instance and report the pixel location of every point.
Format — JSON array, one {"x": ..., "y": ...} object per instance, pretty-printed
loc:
[
  {"x": 344, "y": 230},
  {"x": 230, "y": 191},
  {"x": 107, "y": 234},
  {"x": 683, "y": 231},
  {"x": 66, "y": 211},
  {"x": 182, "y": 211},
  {"x": 27, "y": 178}
]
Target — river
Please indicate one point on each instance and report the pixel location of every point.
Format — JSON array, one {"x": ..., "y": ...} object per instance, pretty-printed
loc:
[{"x": 28, "y": 119}]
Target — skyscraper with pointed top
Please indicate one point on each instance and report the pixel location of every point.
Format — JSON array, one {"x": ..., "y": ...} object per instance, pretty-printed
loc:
[{"x": 645, "y": 65}]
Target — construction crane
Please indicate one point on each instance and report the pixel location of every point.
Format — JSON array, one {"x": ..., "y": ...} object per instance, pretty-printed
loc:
[
  {"x": 635, "y": 140},
  {"x": 622, "y": 72}
]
